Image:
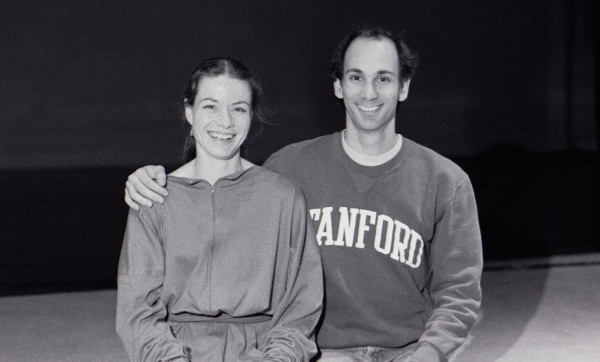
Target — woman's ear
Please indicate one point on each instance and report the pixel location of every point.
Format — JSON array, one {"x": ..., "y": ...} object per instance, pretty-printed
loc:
[{"x": 189, "y": 115}]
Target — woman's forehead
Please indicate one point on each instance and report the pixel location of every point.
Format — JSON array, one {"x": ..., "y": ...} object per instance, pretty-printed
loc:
[{"x": 224, "y": 86}]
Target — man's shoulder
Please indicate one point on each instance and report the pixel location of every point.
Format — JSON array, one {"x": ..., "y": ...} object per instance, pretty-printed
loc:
[
  {"x": 424, "y": 157},
  {"x": 299, "y": 149},
  {"x": 300, "y": 153}
]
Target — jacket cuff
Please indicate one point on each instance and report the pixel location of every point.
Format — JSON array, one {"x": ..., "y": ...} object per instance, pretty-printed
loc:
[{"x": 427, "y": 352}]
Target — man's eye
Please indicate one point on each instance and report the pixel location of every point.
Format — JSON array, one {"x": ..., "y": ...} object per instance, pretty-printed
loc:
[{"x": 384, "y": 79}]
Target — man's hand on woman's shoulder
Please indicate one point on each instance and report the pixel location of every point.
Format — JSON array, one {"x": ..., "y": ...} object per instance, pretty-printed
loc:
[{"x": 146, "y": 185}]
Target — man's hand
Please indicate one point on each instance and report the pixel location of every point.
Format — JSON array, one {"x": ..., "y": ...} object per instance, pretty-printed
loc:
[{"x": 145, "y": 185}]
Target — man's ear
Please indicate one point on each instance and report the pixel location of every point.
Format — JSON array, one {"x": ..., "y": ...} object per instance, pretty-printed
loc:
[
  {"x": 188, "y": 115},
  {"x": 404, "y": 91},
  {"x": 337, "y": 89}
]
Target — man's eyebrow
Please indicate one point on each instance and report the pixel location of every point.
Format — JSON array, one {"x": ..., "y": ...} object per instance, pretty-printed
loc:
[{"x": 355, "y": 70}]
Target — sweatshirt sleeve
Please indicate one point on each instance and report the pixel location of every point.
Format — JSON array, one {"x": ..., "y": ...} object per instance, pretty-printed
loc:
[
  {"x": 456, "y": 261},
  {"x": 141, "y": 314},
  {"x": 292, "y": 333}
]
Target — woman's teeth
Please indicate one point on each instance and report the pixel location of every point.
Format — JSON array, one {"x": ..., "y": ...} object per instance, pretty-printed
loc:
[{"x": 220, "y": 136}]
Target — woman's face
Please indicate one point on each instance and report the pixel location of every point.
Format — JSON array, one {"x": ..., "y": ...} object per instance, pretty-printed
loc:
[{"x": 220, "y": 116}]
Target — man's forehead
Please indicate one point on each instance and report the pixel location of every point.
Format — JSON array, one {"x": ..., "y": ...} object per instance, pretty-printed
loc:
[{"x": 371, "y": 55}]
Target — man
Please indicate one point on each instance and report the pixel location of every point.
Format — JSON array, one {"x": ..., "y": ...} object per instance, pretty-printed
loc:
[{"x": 396, "y": 222}]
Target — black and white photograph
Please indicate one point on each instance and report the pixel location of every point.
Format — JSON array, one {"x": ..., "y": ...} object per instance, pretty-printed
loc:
[{"x": 299, "y": 181}]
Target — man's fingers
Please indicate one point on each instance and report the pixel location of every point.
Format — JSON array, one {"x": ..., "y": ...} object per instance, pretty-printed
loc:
[
  {"x": 135, "y": 196},
  {"x": 161, "y": 179},
  {"x": 159, "y": 174},
  {"x": 145, "y": 180},
  {"x": 141, "y": 187},
  {"x": 130, "y": 202}
]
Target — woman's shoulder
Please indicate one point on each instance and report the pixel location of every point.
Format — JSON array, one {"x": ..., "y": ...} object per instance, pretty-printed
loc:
[{"x": 275, "y": 180}]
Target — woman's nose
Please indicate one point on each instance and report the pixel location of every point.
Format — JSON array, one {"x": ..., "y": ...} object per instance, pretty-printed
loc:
[{"x": 225, "y": 120}]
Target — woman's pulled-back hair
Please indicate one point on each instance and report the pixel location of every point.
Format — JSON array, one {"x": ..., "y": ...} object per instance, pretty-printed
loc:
[{"x": 214, "y": 67}]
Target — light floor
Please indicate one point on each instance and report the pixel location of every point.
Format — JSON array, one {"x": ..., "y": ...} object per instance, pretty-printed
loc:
[{"x": 531, "y": 314}]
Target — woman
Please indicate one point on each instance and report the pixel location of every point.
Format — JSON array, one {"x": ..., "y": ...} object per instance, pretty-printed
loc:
[{"x": 227, "y": 269}]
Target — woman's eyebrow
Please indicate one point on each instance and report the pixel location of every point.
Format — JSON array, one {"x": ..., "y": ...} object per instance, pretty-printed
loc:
[{"x": 208, "y": 99}]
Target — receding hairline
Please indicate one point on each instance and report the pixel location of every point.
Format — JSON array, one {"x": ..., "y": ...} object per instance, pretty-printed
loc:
[
  {"x": 376, "y": 38},
  {"x": 379, "y": 38}
]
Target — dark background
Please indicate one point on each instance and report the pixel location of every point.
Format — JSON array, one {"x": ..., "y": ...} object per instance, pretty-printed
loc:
[{"x": 89, "y": 92}]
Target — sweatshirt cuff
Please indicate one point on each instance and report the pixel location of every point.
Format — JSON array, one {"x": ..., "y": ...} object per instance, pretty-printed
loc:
[{"x": 427, "y": 352}]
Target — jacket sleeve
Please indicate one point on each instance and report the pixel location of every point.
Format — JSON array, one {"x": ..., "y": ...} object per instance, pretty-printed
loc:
[
  {"x": 141, "y": 314},
  {"x": 292, "y": 333},
  {"x": 456, "y": 263}
]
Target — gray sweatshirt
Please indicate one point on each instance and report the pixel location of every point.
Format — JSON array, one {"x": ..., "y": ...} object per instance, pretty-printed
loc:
[
  {"x": 228, "y": 272},
  {"x": 400, "y": 244}
]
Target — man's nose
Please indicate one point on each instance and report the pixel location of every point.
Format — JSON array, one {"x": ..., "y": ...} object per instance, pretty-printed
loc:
[{"x": 368, "y": 91}]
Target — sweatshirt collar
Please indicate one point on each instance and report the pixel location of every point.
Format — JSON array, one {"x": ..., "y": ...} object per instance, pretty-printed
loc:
[
  {"x": 378, "y": 170},
  {"x": 231, "y": 177}
]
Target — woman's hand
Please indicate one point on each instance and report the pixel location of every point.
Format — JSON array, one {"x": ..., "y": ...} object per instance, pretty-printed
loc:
[{"x": 146, "y": 185}]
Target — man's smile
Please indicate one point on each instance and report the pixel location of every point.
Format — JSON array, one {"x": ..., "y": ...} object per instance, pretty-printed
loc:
[{"x": 368, "y": 109}]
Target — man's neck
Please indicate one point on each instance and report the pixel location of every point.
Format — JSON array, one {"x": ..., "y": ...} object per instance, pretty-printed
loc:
[{"x": 371, "y": 143}]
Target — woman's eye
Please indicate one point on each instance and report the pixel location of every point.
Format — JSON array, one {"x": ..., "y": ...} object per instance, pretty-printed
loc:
[
  {"x": 384, "y": 79},
  {"x": 240, "y": 110},
  {"x": 354, "y": 78},
  {"x": 209, "y": 106}
]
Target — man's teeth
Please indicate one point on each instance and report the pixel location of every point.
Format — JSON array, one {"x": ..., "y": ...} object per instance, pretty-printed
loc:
[
  {"x": 368, "y": 109},
  {"x": 220, "y": 136}
]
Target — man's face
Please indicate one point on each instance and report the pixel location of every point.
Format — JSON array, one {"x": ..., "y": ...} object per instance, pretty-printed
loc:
[{"x": 370, "y": 84}]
